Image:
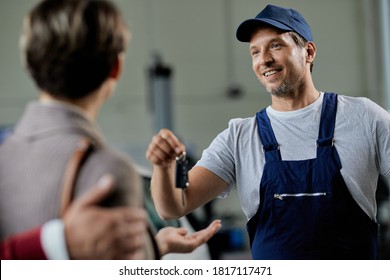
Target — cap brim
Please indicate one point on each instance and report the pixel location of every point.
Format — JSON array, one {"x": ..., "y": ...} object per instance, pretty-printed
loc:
[{"x": 246, "y": 28}]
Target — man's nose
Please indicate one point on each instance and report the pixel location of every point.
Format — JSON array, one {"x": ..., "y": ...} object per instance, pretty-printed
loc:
[{"x": 266, "y": 58}]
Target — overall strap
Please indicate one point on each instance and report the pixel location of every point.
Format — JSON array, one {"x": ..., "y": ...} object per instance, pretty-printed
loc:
[
  {"x": 267, "y": 136},
  {"x": 328, "y": 120}
]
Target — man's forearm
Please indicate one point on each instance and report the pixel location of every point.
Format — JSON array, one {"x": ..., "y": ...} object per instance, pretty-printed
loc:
[{"x": 166, "y": 197}]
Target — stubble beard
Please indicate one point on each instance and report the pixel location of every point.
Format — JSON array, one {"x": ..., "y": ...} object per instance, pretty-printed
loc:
[{"x": 287, "y": 89}]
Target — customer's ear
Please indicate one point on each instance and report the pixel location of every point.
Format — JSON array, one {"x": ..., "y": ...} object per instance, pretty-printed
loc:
[{"x": 117, "y": 69}]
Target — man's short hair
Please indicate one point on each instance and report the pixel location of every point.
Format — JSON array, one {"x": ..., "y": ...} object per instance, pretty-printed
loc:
[{"x": 71, "y": 46}]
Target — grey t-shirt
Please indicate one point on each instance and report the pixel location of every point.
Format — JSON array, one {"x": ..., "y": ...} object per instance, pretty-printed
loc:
[{"x": 362, "y": 139}]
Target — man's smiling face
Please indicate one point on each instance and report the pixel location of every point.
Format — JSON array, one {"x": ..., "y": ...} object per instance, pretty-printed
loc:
[{"x": 278, "y": 62}]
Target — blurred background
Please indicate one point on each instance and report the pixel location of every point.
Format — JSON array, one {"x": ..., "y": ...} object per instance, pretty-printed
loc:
[{"x": 185, "y": 70}]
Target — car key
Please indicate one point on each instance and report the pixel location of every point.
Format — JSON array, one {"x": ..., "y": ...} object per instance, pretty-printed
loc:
[{"x": 182, "y": 174}]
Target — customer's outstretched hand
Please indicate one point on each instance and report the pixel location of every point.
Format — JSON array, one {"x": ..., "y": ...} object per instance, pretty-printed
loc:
[{"x": 177, "y": 240}]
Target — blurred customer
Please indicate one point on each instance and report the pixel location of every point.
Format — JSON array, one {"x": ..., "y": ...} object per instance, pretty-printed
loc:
[{"x": 74, "y": 51}]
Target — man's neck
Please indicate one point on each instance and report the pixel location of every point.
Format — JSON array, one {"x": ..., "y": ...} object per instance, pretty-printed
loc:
[
  {"x": 87, "y": 105},
  {"x": 297, "y": 100}
]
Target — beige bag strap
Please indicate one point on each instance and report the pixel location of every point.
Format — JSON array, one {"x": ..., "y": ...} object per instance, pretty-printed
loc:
[{"x": 71, "y": 172}]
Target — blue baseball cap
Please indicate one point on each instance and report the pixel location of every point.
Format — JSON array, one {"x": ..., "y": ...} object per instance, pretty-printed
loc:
[{"x": 281, "y": 18}]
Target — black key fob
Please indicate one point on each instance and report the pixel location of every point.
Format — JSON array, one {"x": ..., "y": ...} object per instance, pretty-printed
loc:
[{"x": 182, "y": 171}]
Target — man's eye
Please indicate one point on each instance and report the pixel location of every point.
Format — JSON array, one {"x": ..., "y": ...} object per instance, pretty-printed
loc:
[
  {"x": 275, "y": 45},
  {"x": 254, "y": 52}
]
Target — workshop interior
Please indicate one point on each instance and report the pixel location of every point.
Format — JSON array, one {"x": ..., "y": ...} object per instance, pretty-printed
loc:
[{"x": 186, "y": 71}]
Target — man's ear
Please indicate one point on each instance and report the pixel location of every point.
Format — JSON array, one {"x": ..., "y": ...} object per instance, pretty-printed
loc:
[
  {"x": 311, "y": 51},
  {"x": 117, "y": 69}
]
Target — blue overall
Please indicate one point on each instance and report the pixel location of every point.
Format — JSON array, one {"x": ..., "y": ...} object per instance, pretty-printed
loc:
[{"x": 306, "y": 210}]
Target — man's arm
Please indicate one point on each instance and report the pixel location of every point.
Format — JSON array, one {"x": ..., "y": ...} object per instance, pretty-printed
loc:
[
  {"x": 93, "y": 232},
  {"x": 86, "y": 232},
  {"x": 25, "y": 246},
  {"x": 203, "y": 184}
]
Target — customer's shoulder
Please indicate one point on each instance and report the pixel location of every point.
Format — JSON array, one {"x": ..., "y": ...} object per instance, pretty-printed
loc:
[{"x": 110, "y": 156}]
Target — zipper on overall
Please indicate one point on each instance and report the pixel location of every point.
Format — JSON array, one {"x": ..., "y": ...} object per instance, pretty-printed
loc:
[{"x": 282, "y": 196}]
